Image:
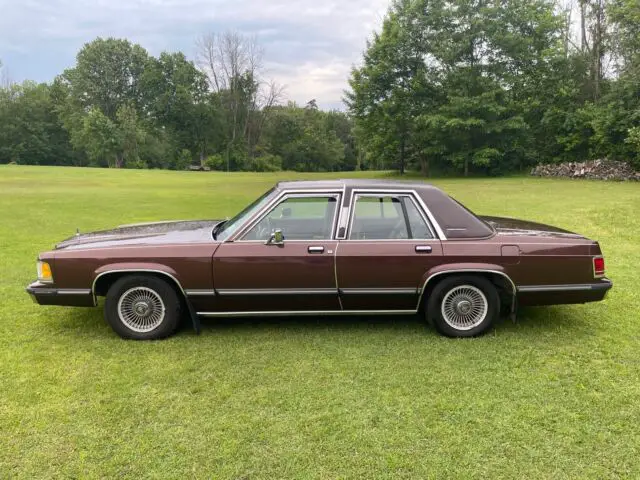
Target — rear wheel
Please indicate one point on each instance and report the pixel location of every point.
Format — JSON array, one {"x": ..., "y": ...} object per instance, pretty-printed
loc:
[
  {"x": 463, "y": 306},
  {"x": 142, "y": 308}
]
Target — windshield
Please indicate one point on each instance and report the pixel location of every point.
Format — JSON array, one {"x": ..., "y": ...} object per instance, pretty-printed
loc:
[{"x": 228, "y": 228}]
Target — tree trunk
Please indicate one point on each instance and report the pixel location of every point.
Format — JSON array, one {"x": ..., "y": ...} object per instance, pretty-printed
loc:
[
  {"x": 402, "y": 152},
  {"x": 583, "y": 28},
  {"x": 466, "y": 167},
  {"x": 567, "y": 33},
  {"x": 119, "y": 160},
  {"x": 424, "y": 166},
  {"x": 598, "y": 50}
]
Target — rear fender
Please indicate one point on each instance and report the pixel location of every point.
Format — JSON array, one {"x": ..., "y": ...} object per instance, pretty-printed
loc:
[{"x": 493, "y": 270}]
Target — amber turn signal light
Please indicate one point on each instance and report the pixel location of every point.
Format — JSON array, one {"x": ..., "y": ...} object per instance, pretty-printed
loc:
[{"x": 44, "y": 272}]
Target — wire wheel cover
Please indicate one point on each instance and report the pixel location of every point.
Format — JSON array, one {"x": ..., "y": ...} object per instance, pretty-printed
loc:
[
  {"x": 464, "y": 307},
  {"x": 141, "y": 309}
]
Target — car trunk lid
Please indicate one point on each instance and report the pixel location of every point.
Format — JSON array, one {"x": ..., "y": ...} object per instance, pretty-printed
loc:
[{"x": 512, "y": 226}]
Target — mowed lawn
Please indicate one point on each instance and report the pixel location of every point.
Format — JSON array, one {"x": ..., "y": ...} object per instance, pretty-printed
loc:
[{"x": 556, "y": 395}]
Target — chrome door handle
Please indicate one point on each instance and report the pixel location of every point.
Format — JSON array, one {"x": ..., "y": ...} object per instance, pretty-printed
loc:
[
  {"x": 315, "y": 249},
  {"x": 423, "y": 249}
]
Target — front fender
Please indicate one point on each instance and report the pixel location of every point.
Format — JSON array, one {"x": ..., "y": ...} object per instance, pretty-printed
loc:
[
  {"x": 147, "y": 267},
  {"x": 133, "y": 267}
]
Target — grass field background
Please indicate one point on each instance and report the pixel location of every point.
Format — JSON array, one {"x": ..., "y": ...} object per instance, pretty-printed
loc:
[{"x": 556, "y": 395}]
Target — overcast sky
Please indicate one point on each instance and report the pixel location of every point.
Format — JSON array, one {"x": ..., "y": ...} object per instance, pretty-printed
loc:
[{"x": 310, "y": 45}]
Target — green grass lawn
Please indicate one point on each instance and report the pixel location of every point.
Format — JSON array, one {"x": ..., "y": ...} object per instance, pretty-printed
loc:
[{"x": 556, "y": 395}]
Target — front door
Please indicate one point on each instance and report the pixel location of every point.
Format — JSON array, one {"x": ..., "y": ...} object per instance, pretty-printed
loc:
[
  {"x": 389, "y": 247},
  {"x": 260, "y": 272}
]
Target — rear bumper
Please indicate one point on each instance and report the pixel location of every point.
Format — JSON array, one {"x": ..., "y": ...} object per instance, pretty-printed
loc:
[
  {"x": 45, "y": 294},
  {"x": 563, "y": 294}
]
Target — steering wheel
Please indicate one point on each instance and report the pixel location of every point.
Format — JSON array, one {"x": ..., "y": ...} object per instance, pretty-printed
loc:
[
  {"x": 264, "y": 229},
  {"x": 399, "y": 230}
]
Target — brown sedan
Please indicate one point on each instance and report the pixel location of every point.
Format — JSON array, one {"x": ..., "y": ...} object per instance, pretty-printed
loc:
[{"x": 325, "y": 248}]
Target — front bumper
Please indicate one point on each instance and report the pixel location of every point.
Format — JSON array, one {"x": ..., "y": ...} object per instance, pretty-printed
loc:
[{"x": 47, "y": 294}]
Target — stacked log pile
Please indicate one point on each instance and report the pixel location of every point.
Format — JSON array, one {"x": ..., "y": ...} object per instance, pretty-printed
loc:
[{"x": 593, "y": 169}]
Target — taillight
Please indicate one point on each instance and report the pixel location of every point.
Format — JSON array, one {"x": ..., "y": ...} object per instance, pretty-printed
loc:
[{"x": 598, "y": 267}]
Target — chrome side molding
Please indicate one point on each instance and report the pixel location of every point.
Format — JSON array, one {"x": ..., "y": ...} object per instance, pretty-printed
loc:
[
  {"x": 565, "y": 288},
  {"x": 292, "y": 313}
]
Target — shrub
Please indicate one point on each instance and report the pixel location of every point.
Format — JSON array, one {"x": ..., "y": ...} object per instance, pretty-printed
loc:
[
  {"x": 216, "y": 162},
  {"x": 266, "y": 163},
  {"x": 183, "y": 160}
]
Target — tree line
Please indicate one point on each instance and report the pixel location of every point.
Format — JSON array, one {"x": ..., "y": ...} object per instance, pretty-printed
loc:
[
  {"x": 119, "y": 106},
  {"x": 491, "y": 86},
  {"x": 455, "y": 86}
]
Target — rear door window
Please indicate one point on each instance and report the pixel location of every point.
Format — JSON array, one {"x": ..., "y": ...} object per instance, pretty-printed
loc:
[{"x": 387, "y": 217}]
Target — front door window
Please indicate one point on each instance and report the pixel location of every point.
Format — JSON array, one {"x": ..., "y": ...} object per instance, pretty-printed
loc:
[{"x": 299, "y": 218}]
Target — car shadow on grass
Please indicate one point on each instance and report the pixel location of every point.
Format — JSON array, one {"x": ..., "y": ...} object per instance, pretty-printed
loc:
[
  {"x": 82, "y": 322},
  {"x": 530, "y": 322},
  {"x": 561, "y": 319},
  {"x": 315, "y": 322}
]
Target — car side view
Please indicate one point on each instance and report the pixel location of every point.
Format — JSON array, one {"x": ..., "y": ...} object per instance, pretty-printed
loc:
[{"x": 335, "y": 247}]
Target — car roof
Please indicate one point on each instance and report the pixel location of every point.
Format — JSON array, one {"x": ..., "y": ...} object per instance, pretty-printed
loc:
[
  {"x": 353, "y": 183},
  {"x": 455, "y": 220}
]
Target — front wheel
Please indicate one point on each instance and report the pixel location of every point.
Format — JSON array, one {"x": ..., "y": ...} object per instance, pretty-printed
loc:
[
  {"x": 463, "y": 306},
  {"x": 142, "y": 308}
]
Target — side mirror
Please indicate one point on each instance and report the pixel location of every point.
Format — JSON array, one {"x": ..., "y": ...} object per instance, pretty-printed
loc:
[
  {"x": 286, "y": 212},
  {"x": 276, "y": 238}
]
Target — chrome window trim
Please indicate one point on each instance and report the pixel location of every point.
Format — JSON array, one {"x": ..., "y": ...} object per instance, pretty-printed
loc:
[
  {"x": 432, "y": 219},
  {"x": 335, "y": 274},
  {"x": 424, "y": 209},
  {"x": 341, "y": 214},
  {"x": 398, "y": 240},
  {"x": 316, "y": 240},
  {"x": 413, "y": 195},
  {"x": 242, "y": 231},
  {"x": 300, "y": 313},
  {"x": 342, "y": 222}
]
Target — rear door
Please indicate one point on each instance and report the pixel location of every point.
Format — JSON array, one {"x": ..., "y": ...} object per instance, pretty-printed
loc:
[{"x": 388, "y": 248}]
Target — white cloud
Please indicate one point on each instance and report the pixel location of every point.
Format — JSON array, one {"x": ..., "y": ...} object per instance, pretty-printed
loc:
[{"x": 310, "y": 45}]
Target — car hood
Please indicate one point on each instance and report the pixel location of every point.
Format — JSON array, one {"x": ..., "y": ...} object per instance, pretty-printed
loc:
[
  {"x": 168, "y": 232},
  {"x": 513, "y": 226}
]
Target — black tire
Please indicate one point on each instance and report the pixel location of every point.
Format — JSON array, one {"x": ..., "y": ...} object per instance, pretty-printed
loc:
[
  {"x": 460, "y": 322},
  {"x": 141, "y": 291}
]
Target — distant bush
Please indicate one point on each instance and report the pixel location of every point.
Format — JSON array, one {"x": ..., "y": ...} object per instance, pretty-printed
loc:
[
  {"x": 215, "y": 162},
  {"x": 266, "y": 163},
  {"x": 183, "y": 160}
]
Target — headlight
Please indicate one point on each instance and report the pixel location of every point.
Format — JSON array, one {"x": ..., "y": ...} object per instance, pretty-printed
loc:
[{"x": 44, "y": 272}]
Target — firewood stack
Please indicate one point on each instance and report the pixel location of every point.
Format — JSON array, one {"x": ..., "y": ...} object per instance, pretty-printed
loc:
[{"x": 592, "y": 169}]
